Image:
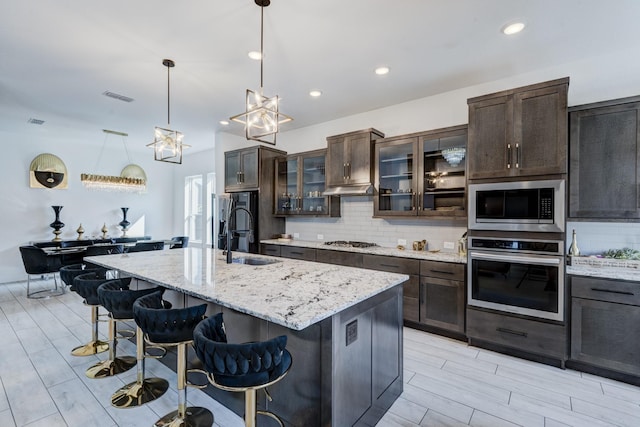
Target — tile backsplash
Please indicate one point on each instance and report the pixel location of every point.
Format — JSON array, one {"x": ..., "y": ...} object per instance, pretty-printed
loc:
[
  {"x": 356, "y": 223},
  {"x": 596, "y": 237}
]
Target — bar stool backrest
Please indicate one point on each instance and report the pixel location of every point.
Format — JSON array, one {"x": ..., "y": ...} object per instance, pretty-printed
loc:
[
  {"x": 116, "y": 297},
  {"x": 166, "y": 326},
  {"x": 239, "y": 365}
]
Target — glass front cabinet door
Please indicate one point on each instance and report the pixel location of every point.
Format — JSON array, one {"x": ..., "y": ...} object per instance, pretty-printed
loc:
[
  {"x": 300, "y": 184},
  {"x": 422, "y": 174}
]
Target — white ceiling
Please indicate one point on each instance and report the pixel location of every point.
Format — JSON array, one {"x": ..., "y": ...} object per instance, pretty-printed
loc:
[{"x": 58, "y": 57}]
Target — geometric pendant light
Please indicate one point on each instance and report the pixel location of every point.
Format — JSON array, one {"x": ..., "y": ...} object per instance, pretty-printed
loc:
[
  {"x": 261, "y": 118},
  {"x": 167, "y": 143}
]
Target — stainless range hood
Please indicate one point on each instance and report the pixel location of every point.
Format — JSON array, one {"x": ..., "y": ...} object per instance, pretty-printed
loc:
[{"x": 349, "y": 190}]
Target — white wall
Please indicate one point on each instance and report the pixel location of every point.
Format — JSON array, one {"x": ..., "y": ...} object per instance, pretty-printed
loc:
[
  {"x": 27, "y": 213},
  {"x": 600, "y": 78}
]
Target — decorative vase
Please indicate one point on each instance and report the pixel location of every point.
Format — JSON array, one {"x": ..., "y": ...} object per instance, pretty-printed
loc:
[
  {"x": 80, "y": 232},
  {"x": 57, "y": 224},
  {"x": 124, "y": 223},
  {"x": 104, "y": 230},
  {"x": 573, "y": 249}
]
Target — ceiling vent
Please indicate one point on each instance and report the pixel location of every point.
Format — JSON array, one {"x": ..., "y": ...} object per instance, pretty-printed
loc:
[
  {"x": 117, "y": 96},
  {"x": 35, "y": 121}
]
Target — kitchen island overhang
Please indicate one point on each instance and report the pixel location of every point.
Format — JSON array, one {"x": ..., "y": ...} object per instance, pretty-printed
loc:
[{"x": 344, "y": 326}]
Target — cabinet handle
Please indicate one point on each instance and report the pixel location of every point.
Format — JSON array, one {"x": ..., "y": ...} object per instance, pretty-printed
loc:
[
  {"x": 349, "y": 170},
  {"x": 344, "y": 171},
  {"x": 297, "y": 253},
  {"x": 442, "y": 272},
  {"x": 389, "y": 265},
  {"x": 517, "y": 155},
  {"x": 610, "y": 291},
  {"x": 508, "y": 156},
  {"x": 512, "y": 332}
]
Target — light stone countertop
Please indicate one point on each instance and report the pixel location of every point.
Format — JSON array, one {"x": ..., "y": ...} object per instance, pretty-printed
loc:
[
  {"x": 376, "y": 250},
  {"x": 620, "y": 273},
  {"x": 291, "y": 293}
]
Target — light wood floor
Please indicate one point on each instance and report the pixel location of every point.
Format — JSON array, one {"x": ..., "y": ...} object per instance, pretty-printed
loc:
[{"x": 447, "y": 383}]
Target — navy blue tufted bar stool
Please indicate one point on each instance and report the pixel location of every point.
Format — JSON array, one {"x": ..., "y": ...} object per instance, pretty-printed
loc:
[
  {"x": 244, "y": 367},
  {"x": 86, "y": 285},
  {"x": 118, "y": 299},
  {"x": 173, "y": 328},
  {"x": 69, "y": 272}
]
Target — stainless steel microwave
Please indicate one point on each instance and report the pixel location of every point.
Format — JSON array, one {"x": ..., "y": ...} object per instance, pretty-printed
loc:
[{"x": 518, "y": 206}]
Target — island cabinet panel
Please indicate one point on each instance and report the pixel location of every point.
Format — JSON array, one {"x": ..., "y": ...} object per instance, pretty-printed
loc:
[
  {"x": 531, "y": 337},
  {"x": 295, "y": 252},
  {"x": 604, "y": 157},
  {"x": 605, "y": 324},
  {"x": 519, "y": 132},
  {"x": 348, "y": 259}
]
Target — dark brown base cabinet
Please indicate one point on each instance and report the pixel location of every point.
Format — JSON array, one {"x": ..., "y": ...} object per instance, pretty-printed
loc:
[
  {"x": 433, "y": 297},
  {"x": 605, "y": 327},
  {"x": 537, "y": 340},
  {"x": 442, "y": 295}
]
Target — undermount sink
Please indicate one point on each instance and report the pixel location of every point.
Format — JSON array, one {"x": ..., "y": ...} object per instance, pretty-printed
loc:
[{"x": 254, "y": 261}]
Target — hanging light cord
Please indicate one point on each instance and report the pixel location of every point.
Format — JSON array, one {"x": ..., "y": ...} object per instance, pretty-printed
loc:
[
  {"x": 261, "y": 44},
  {"x": 168, "y": 97},
  {"x": 104, "y": 143}
]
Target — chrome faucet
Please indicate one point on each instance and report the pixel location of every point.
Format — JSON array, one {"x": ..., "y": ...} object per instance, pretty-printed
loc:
[{"x": 230, "y": 232}]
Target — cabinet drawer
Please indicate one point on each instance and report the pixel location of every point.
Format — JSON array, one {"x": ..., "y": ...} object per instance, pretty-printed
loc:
[
  {"x": 391, "y": 264},
  {"x": 307, "y": 254},
  {"x": 522, "y": 334},
  {"x": 273, "y": 250},
  {"x": 606, "y": 290},
  {"x": 442, "y": 270},
  {"x": 349, "y": 259}
]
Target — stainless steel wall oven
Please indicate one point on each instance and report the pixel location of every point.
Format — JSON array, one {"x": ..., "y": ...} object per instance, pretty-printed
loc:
[{"x": 517, "y": 275}]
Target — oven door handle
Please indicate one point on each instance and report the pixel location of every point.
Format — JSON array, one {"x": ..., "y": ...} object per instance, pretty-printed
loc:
[{"x": 552, "y": 260}]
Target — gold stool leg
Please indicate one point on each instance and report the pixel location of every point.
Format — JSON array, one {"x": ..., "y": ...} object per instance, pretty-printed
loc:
[
  {"x": 185, "y": 416},
  {"x": 143, "y": 390},
  {"x": 113, "y": 365},
  {"x": 95, "y": 346}
]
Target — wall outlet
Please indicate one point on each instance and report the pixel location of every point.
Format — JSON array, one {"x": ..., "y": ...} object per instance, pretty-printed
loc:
[
  {"x": 402, "y": 242},
  {"x": 320, "y": 236},
  {"x": 296, "y": 235},
  {"x": 448, "y": 245}
]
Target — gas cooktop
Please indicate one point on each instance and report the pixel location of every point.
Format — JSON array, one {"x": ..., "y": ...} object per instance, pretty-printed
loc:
[{"x": 350, "y": 244}]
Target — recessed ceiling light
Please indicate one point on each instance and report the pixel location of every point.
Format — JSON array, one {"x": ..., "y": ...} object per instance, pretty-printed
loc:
[
  {"x": 514, "y": 28},
  {"x": 382, "y": 71},
  {"x": 315, "y": 93},
  {"x": 224, "y": 123},
  {"x": 255, "y": 55}
]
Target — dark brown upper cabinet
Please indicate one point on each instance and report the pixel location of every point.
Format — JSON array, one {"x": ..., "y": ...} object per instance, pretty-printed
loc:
[
  {"x": 519, "y": 132},
  {"x": 349, "y": 162},
  {"x": 249, "y": 168},
  {"x": 413, "y": 178},
  {"x": 604, "y": 160}
]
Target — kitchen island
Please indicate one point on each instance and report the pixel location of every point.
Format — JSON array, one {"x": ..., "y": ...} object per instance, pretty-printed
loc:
[{"x": 344, "y": 326}]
